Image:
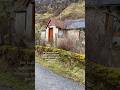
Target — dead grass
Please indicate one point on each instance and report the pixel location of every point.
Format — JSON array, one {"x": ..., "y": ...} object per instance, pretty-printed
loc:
[{"x": 74, "y": 11}]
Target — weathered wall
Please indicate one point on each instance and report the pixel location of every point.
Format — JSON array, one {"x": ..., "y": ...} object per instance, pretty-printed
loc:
[
  {"x": 73, "y": 40},
  {"x": 73, "y": 34},
  {"x": 99, "y": 35},
  {"x": 14, "y": 24}
]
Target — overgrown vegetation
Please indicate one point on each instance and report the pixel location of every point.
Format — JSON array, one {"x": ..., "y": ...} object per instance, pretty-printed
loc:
[
  {"x": 62, "y": 53},
  {"x": 69, "y": 9},
  {"x": 5, "y": 22},
  {"x": 69, "y": 64},
  {"x": 12, "y": 59},
  {"x": 73, "y": 11},
  {"x": 99, "y": 77},
  {"x": 7, "y": 79}
]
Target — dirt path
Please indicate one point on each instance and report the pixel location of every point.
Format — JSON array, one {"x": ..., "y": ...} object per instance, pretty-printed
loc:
[{"x": 47, "y": 80}]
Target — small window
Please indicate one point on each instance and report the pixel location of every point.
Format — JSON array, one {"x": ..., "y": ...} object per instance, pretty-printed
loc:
[
  {"x": 60, "y": 33},
  {"x": 43, "y": 34}
]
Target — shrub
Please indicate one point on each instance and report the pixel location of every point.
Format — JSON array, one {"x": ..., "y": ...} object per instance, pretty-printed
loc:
[
  {"x": 13, "y": 56},
  {"x": 63, "y": 53},
  {"x": 102, "y": 77}
]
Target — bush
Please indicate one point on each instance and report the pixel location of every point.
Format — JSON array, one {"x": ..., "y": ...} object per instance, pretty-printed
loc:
[
  {"x": 12, "y": 58},
  {"x": 63, "y": 53},
  {"x": 100, "y": 77},
  {"x": 70, "y": 65}
]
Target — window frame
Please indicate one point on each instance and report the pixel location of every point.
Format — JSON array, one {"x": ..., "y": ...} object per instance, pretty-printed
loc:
[{"x": 59, "y": 31}]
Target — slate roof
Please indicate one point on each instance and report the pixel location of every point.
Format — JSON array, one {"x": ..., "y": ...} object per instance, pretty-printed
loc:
[
  {"x": 75, "y": 24},
  {"x": 102, "y": 2},
  {"x": 68, "y": 24}
]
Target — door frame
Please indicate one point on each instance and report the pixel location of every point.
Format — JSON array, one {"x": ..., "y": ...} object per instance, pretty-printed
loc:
[{"x": 50, "y": 35}]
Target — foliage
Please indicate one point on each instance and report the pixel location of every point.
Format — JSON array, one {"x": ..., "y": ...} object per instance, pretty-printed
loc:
[
  {"x": 13, "y": 55},
  {"x": 43, "y": 16},
  {"x": 63, "y": 53},
  {"x": 9, "y": 80},
  {"x": 100, "y": 77},
  {"x": 10, "y": 59},
  {"x": 74, "y": 72},
  {"x": 4, "y": 10},
  {"x": 64, "y": 9},
  {"x": 73, "y": 11},
  {"x": 70, "y": 65},
  {"x": 5, "y": 22}
]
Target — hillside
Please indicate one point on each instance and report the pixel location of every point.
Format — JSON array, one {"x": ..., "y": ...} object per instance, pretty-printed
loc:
[
  {"x": 73, "y": 11},
  {"x": 53, "y": 6},
  {"x": 62, "y": 9}
]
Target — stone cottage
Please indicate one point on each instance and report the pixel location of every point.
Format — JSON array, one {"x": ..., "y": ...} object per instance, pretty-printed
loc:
[
  {"x": 103, "y": 32},
  {"x": 17, "y": 22},
  {"x": 65, "y": 34}
]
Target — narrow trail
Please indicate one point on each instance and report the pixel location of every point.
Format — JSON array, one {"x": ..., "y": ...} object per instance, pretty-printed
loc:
[{"x": 47, "y": 80}]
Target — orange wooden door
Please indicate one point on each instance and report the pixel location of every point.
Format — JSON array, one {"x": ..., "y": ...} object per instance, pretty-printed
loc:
[{"x": 50, "y": 35}]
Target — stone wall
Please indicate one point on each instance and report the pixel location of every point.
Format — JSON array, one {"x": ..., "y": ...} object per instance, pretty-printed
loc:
[{"x": 73, "y": 40}]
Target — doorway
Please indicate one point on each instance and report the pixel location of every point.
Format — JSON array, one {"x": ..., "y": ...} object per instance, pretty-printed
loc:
[{"x": 50, "y": 35}]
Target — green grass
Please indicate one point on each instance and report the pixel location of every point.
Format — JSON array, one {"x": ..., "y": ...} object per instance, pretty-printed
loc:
[
  {"x": 65, "y": 66},
  {"x": 7, "y": 75},
  {"x": 7, "y": 79},
  {"x": 73, "y": 11},
  {"x": 102, "y": 77}
]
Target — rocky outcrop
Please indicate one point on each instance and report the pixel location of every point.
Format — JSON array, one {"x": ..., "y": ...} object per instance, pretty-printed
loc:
[{"x": 55, "y": 6}]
